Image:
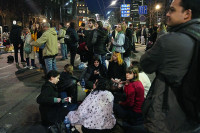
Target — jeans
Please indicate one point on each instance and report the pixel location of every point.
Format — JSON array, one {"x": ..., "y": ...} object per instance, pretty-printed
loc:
[
  {"x": 102, "y": 59},
  {"x": 50, "y": 64},
  {"x": 64, "y": 50}
]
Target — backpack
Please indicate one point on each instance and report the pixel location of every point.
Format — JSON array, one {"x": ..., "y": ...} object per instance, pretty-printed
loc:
[
  {"x": 126, "y": 43},
  {"x": 188, "y": 94},
  {"x": 27, "y": 48},
  {"x": 68, "y": 37},
  {"x": 10, "y": 59}
]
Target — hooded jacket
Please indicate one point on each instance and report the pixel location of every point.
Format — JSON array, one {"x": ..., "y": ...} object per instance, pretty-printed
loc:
[
  {"x": 170, "y": 58},
  {"x": 49, "y": 37}
]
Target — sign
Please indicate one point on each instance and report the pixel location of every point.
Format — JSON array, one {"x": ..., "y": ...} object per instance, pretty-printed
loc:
[
  {"x": 142, "y": 18},
  {"x": 142, "y": 22},
  {"x": 125, "y": 5},
  {"x": 125, "y": 15},
  {"x": 125, "y": 10},
  {"x": 142, "y": 10}
]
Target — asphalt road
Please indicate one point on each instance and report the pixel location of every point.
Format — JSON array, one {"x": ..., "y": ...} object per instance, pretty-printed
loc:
[{"x": 19, "y": 88}]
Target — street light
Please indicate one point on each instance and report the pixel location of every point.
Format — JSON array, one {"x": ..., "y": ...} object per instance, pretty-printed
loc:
[
  {"x": 157, "y": 8},
  {"x": 113, "y": 3}
]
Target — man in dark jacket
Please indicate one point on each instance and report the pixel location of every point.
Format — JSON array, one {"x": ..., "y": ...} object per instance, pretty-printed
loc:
[
  {"x": 89, "y": 46},
  {"x": 99, "y": 40},
  {"x": 15, "y": 38},
  {"x": 74, "y": 42},
  {"x": 170, "y": 58}
]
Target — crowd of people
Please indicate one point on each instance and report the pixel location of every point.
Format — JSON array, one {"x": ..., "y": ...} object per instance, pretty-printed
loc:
[{"x": 117, "y": 88}]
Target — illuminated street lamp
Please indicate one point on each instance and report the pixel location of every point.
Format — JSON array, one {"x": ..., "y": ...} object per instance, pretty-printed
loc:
[
  {"x": 157, "y": 8},
  {"x": 113, "y": 3}
]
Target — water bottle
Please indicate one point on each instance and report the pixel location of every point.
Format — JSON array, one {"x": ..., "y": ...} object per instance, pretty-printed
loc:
[
  {"x": 67, "y": 124},
  {"x": 83, "y": 84}
]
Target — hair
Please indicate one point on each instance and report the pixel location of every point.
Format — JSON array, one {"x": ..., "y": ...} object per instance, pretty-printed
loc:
[
  {"x": 193, "y": 5},
  {"x": 83, "y": 24},
  {"x": 135, "y": 71},
  {"x": 130, "y": 25},
  {"x": 52, "y": 73},
  {"x": 72, "y": 25},
  {"x": 69, "y": 68},
  {"x": 62, "y": 24},
  {"x": 19, "y": 23},
  {"x": 119, "y": 58},
  {"x": 123, "y": 27},
  {"x": 102, "y": 84},
  {"x": 92, "y": 20},
  {"x": 137, "y": 64},
  {"x": 97, "y": 59},
  {"x": 46, "y": 25},
  {"x": 100, "y": 24}
]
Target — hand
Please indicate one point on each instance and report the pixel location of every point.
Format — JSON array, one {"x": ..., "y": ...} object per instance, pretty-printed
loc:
[
  {"x": 86, "y": 48},
  {"x": 68, "y": 99},
  {"x": 19, "y": 45},
  {"x": 58, "y": 100}
]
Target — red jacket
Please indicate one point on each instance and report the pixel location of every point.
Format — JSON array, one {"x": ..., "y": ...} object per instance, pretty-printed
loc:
[{"x": 134, "y": 96}]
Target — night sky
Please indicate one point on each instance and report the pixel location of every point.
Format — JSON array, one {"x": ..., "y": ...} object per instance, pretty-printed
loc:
[{"x": 101, "y": 6}]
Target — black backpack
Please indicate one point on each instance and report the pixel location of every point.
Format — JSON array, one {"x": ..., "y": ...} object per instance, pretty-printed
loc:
[
  {"x": 68, "y": 37},
  {"x": 126, "y": 43},
  {"x": 188, "y": 94},
  {"x": 10, "y": 59}
]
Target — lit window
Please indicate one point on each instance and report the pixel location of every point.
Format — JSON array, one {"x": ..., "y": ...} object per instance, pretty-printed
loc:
[
  {"x": 83, "y": 11},
  {"x": 80, "y": 11}
]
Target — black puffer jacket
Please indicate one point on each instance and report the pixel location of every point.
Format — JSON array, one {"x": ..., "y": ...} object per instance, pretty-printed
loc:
[
  {"x": 99, "y": 40},
  {"x": 68, "y": 83},
  {"x": 15, "y": 35},
  {"x": 49, "y": 109}
]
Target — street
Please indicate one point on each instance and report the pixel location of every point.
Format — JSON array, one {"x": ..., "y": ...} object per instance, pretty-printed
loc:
[{"x": 19, "y": 112}]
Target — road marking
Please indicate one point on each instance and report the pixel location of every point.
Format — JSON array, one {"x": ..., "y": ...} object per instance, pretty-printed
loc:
[{"x": 6, "y": 66}]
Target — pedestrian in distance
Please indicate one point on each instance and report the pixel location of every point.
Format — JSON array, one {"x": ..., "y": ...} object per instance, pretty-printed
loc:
[{"x": 172, "y": 104}]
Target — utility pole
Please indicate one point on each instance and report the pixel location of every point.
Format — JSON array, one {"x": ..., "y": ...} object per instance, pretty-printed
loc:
[{"x": 124, "y": 2}]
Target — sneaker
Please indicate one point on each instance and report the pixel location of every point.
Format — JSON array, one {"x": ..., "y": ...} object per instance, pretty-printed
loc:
[
  {"x": 26, "y": 67},
  {"x": 32, "y": 67}
]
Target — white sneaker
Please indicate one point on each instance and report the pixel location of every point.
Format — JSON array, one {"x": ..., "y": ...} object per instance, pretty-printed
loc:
[
  {"x": 26, "y": 67},
  {"x": 32, "y": 67}
]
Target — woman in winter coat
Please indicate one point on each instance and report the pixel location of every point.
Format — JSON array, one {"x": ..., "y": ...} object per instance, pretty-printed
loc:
[
  {"x": 94, "y": 72},
  {"x": 29, "y": 56},
  {"x": 131, "y": 108},
  {"x": 119, "y": 41},
  {"x": 68, "y": 83},
  {"x": 50, "y": 102},
  {"x": 116, "y": 69},
  {"x": 95, "y": 114}
]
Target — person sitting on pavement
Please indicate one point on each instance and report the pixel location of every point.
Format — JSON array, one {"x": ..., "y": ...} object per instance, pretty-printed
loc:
[
  {"x": 131, "y": 109},
  {"x": 95, "y": 114},
  {"x": 68, "y": 84},
  {"x": 93, "y": 72},
  {"x": 142, "y": 77},
  {"x": 50, "y": 102},
  {"x": 116, "y": 69}
]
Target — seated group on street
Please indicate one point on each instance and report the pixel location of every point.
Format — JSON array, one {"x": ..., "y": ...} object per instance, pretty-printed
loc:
[{"x": 98, "y": 111}]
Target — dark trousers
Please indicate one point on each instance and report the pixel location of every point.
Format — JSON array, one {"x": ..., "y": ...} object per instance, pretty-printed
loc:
[
  {"x": 90, "y": 57},
  {"x": 86, "y": 130},
  {"x": 21, "y": 48},
  {"x": 73, "y": 51}
]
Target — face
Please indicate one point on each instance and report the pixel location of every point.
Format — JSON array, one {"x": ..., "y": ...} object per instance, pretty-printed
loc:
[
  {"x": 55, "y": 80},
  {"x": 96, "y": 63},
  {"x": 176, "y": 14},
  {"x": 119, "y": 28},
  {"x": 114, "y": 58},
  {"x": 129, "y": 76},
  {"x": 60, "y": 26},
  {"x": 90, "y": 25}
]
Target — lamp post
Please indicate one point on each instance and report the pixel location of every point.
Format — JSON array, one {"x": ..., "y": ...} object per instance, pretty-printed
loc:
[{"x": 157, "y": 8}]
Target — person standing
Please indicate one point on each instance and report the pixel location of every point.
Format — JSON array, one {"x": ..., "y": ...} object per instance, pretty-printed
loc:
[
  {"x": 89, "y": 46},
  {"x": 50, "y": 51},
  {"x": 16, "y": 40},
  {"x": 61, "y": 36},
  {"x": 170, "y": 58},
  {"x": 73, "y": 42}
]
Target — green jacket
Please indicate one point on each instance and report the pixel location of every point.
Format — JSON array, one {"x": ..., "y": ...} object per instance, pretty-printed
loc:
[
  {"x": 49, "y": 38},
  {"x": 61, "y": 35}
]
